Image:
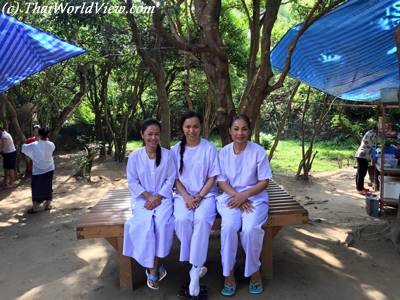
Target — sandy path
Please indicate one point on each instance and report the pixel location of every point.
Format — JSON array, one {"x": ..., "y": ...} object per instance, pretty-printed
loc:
[{"x": 40, "y": 257}]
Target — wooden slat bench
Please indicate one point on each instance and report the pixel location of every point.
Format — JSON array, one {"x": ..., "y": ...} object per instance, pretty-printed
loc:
[{"x": 106, "y": 220}]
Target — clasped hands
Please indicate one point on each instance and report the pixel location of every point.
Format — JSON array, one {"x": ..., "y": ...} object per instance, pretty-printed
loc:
[
  {"x": 192, "y": 202},
  {"x": 241, "y": 201},
  {"x": 152, "y": 202}
]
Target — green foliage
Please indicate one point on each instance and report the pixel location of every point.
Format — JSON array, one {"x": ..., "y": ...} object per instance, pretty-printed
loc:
[
  {"x": 266, "y": 140},
  {"x": 288, "y": 154}
]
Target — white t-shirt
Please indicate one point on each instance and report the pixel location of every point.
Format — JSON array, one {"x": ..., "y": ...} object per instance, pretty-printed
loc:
[
  {"x": 8, "y": 143},
  {"x": 41, "y": 154},
  {"x": 144, "y": 176},
  {"x": 243, "y": 171},
  {"x": 199, "y": 164}
]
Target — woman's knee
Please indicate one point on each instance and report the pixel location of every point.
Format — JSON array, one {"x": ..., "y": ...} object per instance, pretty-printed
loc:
[{"x": 230, "y": 225}]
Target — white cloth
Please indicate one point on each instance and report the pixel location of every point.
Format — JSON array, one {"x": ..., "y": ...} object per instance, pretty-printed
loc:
[
  {"x": 144, "y": 176},
  {"x": 8, "y": 143},
  {"x": 200, "y": 163},
  {"x": 242, "y": 172},
  {"x": 41, "y": 154},
  {"x": 193, "y": 227},
  {"x": 251, "y": 236},
  {"x": 149, "y": 233}
]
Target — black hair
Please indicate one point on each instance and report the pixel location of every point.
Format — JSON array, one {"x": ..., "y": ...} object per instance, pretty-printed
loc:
[
  {"x": 243, "y": 117},
  {"x": 185, "y": 116},
  {"x": 146, "y": 124},
  {"x": 44, "y": 132}
]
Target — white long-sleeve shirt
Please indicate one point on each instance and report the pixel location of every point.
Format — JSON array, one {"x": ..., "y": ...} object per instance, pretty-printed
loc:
[
  {"x": 41, "y": 154},
  {"x": 144, "y": 176}
]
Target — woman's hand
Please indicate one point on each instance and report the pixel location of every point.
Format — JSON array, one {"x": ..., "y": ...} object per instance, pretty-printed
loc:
[
  {"x": 247, "y": 207},
  {"x": 237, "y": 200},
  {"x": 191, "y": 202},
  {"x": 152, "y": 202}
]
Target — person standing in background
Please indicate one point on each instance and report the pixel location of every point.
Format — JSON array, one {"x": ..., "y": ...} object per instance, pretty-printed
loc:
[
  {"x": 30, "y": 140},
  {"x": 41, "y": 154},
  {"x": 363, "y": 156},
  {"x": 9, "y": 153}
]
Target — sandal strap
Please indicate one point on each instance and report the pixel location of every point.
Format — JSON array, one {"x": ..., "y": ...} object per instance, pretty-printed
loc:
[
  {"x": 152, "y": 277},
  {"x": 230, "y": 287},
  {"x": 255, "y": 284}
]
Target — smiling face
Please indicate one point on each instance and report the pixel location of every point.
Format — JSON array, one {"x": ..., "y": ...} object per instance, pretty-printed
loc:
[
  {"x": 151, "y": 136},
  {"x": 191, "y": 129},
  {"x": 239, "y": 131}
]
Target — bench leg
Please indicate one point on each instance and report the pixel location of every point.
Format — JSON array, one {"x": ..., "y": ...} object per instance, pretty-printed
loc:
[
  {"x": 125, "y": 267},
  {"x": 131, "y": 274},
  {"x": 266, "y": 254}
]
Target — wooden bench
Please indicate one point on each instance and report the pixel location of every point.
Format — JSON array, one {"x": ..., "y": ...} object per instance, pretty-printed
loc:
[{"x": 106, "y": 220}]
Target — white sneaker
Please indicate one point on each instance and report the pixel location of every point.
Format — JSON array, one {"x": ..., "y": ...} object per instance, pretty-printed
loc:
[{"x": 194, "y": 286}]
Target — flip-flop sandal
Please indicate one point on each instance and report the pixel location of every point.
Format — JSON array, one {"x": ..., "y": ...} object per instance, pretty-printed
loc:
[
  {"x": 228, "y": 290},
  {"x": 162, "y": 273},
  {"x": 256, "y": 288},
  {"x": 152, "y": 279}
]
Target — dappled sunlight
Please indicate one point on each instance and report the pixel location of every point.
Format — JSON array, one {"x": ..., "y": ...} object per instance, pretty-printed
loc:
[
  {"x": 326, "y": 234},
  {"x": 323, "y": 255},
  {"x": 32, "y": 293},
  {"x": 371, "y": 293},
  {"x": 76, "y": 283},
  {"x": 93, "y": 251}
]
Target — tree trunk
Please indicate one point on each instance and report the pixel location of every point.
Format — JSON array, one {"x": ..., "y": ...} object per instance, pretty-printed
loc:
[
  {"x": 76, "y": 100},
  {"x": 157, "y": 70},
  {"x": 14, "y": 118},
  {"x": 283, "y": 121}
]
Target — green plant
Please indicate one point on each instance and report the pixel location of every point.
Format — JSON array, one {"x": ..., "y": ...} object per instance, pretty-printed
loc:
[{"x": 266, "y": 140}]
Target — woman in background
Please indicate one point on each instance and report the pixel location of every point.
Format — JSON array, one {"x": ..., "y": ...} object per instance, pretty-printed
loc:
[{"x": 41, "y": 154}]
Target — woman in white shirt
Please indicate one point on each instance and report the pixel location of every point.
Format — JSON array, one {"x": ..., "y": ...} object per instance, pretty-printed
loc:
[
  {"x": 245, "y": 173},
  {"x": 9, "y": 153},
  {"x": 148, "y": 233},
  {"x": 194, "y": 202},
  {"x": 41, "y": 154}
]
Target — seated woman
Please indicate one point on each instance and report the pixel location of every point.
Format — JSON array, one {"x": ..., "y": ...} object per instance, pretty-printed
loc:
[
  {"x": 194, "y": 202},
  {"x": 245, "y": 173},
  {"x": 41, "y": 154},
  {"x": 148, "y": 233}
]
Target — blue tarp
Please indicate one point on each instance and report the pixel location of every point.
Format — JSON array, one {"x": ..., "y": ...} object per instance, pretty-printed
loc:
[
  {"x": 25, "y": 50},
  {"x": 349, "y": 53}
]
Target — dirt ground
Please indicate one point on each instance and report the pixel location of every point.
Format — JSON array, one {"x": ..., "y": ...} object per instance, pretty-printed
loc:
[{"x": 40, "y": 257}]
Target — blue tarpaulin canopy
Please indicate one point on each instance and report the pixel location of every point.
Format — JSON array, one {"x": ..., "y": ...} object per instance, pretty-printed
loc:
[
  {"x": 25, "y": 50},
  {"x": 349, "y": 53}
]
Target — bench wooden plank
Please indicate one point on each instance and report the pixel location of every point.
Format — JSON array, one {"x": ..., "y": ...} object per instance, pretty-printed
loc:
[{"x": 106, "y": 220}]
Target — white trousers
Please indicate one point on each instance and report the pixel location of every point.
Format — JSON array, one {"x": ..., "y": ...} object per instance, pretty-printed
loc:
[
  {"x": 251, "y": 236},
  {"x": 193, "y": 228},
  {"x": 149, "y": 233}
]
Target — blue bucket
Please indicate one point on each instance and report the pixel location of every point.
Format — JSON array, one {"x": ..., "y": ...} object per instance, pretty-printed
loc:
[{"x": 372, "y": 205}]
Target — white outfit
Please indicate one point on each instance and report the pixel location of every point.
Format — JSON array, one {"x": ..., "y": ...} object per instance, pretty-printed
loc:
[
  {"x": 8, "y": 143},
  {"x": 41, "y": 154},
  {"x": 193, "y": 226},
  {"x": 242, "y": 172},
  {"x": 149, "y": 233}
]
